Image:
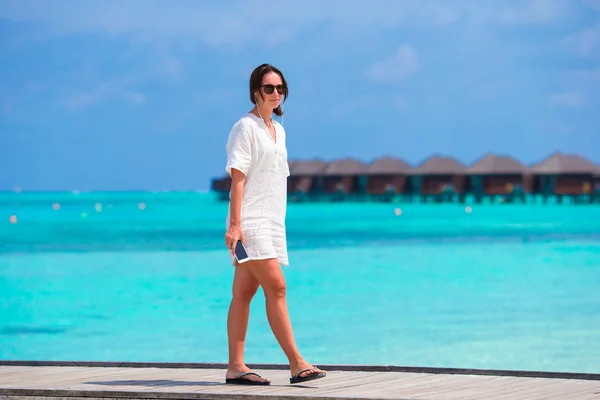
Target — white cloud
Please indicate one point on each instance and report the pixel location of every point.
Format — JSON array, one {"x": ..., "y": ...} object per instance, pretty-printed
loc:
[
  {"x": 7, "y": 107},
  {"x": 567, "y": 99},
  {"x": 103, "y": 92},
  {"x": 400, "y": 103},
  {"x": 594, "y": 3},
  {"x": 585, "y": 77},
  {"x": 402, "y": 64},
  {"x": 535, "y": 12},
  {"x": 82, "y": 100},
  {"x": 234, "y": 23},
  {"x": 172, "y": 67},
  {"x": 585, "y": 42},
  {"x": 557, "y": 127},
  {"x": 225, "y": 23},
  {"x": 135, "y": 98},
  {"x": 585, "y": 82}
]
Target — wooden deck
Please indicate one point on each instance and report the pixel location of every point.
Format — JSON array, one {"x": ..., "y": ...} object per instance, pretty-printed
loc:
[{"x": 84, "y": 381}]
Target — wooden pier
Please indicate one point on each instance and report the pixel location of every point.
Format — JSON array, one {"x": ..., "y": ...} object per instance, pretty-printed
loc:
[{"x": 29, "y": 380}]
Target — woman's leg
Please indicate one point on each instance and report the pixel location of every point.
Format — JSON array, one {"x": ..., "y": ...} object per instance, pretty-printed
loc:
[
  {"x": 245, "y": 286},
  {"x": 269, "y": 275}
]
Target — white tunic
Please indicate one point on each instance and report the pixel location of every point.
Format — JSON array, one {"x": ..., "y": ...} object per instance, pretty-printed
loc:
[{"x": 252, "y": 150}]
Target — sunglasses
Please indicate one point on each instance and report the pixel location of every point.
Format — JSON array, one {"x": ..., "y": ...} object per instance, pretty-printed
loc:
[{"x": 270, "y": 88}]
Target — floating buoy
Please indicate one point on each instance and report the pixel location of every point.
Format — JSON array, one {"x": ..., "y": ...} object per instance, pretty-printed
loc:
[
  {"x": 468, "y": 209},
  {"x": 142, "y": 206},
  {"x": 56, "y": 206},
  {"x": 13, "y": 219},
  {"x": 398, "y": 212}
]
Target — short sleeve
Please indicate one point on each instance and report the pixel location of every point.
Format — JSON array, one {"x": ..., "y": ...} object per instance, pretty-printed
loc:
[{"x": 239, "y": 149}]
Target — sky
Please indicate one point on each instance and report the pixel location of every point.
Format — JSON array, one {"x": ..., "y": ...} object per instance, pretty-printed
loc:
[{"x": 142, "y": 94}]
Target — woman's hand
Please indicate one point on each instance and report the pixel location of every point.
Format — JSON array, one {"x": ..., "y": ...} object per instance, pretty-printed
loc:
[{"x": 234, "y": 233}]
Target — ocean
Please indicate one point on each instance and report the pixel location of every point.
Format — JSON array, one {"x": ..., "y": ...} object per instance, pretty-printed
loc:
[{"x": 139, "y": 276}]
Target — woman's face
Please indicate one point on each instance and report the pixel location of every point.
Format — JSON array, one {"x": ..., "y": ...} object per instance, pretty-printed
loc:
[{"x": 271, "y": 89}]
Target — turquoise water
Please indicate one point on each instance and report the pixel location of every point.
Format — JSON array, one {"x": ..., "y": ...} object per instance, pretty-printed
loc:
[{"x": 505, "y": 286}]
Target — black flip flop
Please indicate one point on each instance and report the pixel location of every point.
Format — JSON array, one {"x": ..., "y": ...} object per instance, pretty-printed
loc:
[
  {"x": 309, "y": 377},
  {"x": 238, "y": 380}
]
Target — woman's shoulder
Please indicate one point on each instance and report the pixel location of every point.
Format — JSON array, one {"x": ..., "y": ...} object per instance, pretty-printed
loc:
[
  {"x": 245, "y": 124},
  {"x": 246, "y": 120}
]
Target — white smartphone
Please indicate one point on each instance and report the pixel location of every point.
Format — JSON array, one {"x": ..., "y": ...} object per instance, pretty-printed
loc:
[{"x": 240, "y": 252}]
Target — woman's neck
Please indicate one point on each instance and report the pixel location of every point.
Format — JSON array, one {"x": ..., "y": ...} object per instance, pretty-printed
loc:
[{"x": 265, "y": 114}]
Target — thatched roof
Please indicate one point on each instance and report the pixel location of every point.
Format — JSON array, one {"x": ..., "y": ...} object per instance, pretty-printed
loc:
[
  {"x": 560, "y": 163},
  {"x": 496, "y": 164},
  {"x": 439, "y": 165},
  {"x": 346, "y": 166},
  {"x": 308, "y": 168},
  {"x": 388, "y": 166}
]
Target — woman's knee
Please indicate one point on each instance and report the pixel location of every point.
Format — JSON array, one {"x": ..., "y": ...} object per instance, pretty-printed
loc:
[
  {"x": 244, "y": 293},
  {"x": 245, "y": 285},
  {"x": 268, "y": 273},
  {"x": 276, "y": 288}
]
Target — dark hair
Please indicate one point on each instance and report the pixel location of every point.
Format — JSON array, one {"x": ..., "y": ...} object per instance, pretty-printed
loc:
[{"x": 256, "y": 81}]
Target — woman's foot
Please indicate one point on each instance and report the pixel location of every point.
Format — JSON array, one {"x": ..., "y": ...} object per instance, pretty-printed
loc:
[
  {"x": 304, "y": 371},
  {"x": 241, "y": 373}
]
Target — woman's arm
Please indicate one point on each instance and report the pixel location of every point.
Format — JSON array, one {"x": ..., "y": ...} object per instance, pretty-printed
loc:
[
  {"x": 237, "y": 191},
  {"x": 234, "y": 232},
  {"x": 239, "y": 158}
]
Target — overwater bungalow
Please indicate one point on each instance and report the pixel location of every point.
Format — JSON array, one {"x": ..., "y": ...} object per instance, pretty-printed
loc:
[
  {"x": 440, "y": 178},
  {"x": 387, "y": 177},
  {"x": 563, "y": 175},
  {"x": 221, "y": 186},
  {"x": 596, "y": 180},
  {"x": 291, "y": 164},
  {"x": 498, "y": 176},
  {"x": 306, "y": 180},
  {"x": 345, "y": 178}
]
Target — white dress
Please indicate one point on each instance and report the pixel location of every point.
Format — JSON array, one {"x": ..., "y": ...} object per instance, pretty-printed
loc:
[{"x": 252, "y": 150}]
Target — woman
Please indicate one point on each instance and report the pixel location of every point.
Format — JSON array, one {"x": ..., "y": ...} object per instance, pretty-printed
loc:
[{"x": 257, "y": 164}]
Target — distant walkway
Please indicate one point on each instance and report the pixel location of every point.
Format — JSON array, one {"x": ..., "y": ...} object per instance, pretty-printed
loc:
[{"x": 95, "y": 381}]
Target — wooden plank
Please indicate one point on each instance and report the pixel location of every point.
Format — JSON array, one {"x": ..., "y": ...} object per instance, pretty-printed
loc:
[
  {"x": 475, "y": 386},
  {"x": 448, "y": 387},
  {"x": 575, "y": 390},
  {"x": 567, "y": 390},
  {"x": 495, "y": 387},
  {"x": 93, "y": 383},
  {"x": 18, "y": 376},
  {"x": 532, "y": 388},
  {"x": 427, "y": 387},
  {"x": 141, "y": 380},
  {"x": 56, "y": 379},
  {"x": 59, "y": 380},
  {"x": 333, "y": 383},
  {"x": 394, "y": 383},
  {"x": 5, "y": 369}
]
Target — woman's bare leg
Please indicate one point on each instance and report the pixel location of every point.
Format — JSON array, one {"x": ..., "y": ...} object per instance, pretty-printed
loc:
[
  {"x": 269, "y": 275},
  {"x": 244, "y": 288}
]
